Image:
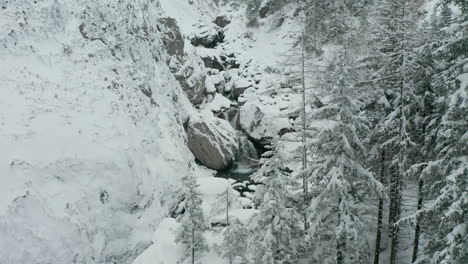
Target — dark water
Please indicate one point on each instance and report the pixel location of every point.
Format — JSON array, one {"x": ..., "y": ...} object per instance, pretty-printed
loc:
[{"x": 238, "y": 173}]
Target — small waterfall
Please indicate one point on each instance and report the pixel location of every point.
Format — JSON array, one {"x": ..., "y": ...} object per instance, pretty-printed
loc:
[
  {"x": 247, "y": 152},
  {"x": 247, "y": 157}
]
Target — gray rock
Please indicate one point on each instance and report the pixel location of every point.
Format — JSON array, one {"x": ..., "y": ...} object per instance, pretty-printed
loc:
[
  {"x": 212, "y": 141},
  {"x": 187, "y": 68},
  {"x": 171, "y": 36},
  {"x": 222, "y": 21},
  {"x": 239, "y": 88},
  {"x": 208, "y": 36},
  {"x": 192, "y": 80},
  {"x": 213, "y": 62}
]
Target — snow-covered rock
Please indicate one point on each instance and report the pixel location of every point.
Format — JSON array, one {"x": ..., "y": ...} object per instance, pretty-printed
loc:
[
  {"x": 215, "y": 83},
  {"x": 239, "y": 87},
  {"x": 184, "y": 63},
  {"x": 260, "y": 126},
  {"x": 207, "y": 35},
  {"x": 212, "y": 141},
  {"x": 219, "y": 103},
  {"x": 91, "y": 137},
  {"x": 213, "y": 62}
]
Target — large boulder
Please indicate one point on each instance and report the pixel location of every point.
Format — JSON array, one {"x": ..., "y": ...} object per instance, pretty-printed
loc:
[
  {"x": 208, "y": 36},
  {"x": 262, "y": 127},
  {"x": 222, "y": 21},
  {"x": 212, "y": 141}
]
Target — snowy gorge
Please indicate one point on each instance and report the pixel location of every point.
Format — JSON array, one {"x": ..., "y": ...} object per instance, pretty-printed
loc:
[{"x": 108, "y": 108}]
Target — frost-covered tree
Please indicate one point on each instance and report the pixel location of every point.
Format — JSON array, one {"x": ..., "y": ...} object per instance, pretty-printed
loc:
[
  {"x": 339, "y": 182},
  {"x": 276, "y": 229},
  {"x": 192, "y": 221},
  {"x": 234, "y": 245},
  {"x": 224, "y": 202},
  {"x": 444, "y": 211},
  {"x": 445, "y": 16},
  {"x": 392, "y": 42}
]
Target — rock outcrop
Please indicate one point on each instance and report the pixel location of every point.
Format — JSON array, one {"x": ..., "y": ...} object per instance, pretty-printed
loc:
[
  {"x": 187, "y": 68},
  {"x": 212, "y": 141}
]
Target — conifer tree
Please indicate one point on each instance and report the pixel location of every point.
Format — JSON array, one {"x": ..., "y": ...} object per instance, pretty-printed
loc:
[
  {"x": 338, "y": 179},
  {"x": 444, "y": 213},
  {"x": 393, "y": 41},
  {"x": 276, "y": 229},
  {"x": 192, "y": 221},
  {"x": 234, "y": 245}
]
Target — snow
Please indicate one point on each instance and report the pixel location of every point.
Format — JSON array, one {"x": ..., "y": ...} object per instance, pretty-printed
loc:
[
  {"x": 164, "y": 249},
  {"x": 86, "y": 158},
  {"x": 219, "y": 103},
  {"x": 212, "y": 81}
]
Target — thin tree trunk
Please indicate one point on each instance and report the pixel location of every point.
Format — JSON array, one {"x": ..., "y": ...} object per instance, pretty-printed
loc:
[
  {"x": 339, "y": 241},
  {"x": 394, "y": 227},
  {"x": 380, "y": 213},
  {"x": 418, "y": 222},
  {"x": 304, "y": 149},
  {"x": 193, "y": 245},
  {"x": 227, "y": 206}
]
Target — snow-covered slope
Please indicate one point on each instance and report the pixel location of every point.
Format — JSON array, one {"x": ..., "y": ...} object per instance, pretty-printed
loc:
[{"x": 91, "y": 135}]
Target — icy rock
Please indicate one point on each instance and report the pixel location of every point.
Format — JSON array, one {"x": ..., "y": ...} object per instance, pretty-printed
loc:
[
  {"x": 222, "y": 21},
  {"x": 212, "y": 141}
]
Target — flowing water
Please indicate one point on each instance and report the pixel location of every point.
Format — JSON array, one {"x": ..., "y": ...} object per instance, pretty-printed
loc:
[{"x": 246, "y": 162}]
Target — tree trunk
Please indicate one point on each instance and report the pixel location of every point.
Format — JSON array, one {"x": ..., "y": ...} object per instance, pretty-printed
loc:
[
  {"x": 380, "y": 213},
  {"x": 340, "y": 241},
  {"x": 418, "y": 222},
  {"x": 227, "y": 206},
  {"x": 304, "y": 149}
]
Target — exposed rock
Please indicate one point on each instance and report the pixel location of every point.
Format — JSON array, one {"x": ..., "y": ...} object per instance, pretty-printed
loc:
[
  {"x": 264, "y": 10},
  {"x": 222, "y": 21},
  {"x": 187, "y": 68},
  {"x": 192, "y": 79},
  {"x": 213, "y": 62},
  {"x": 215, "y": 83},
  {"x": 230, "y": 62},
  {"x": 212, "y": 141},
  {"x": 171, "y": 36},
  {"x": 207, "y": 36},
  {"x": 239, "y": 88}
]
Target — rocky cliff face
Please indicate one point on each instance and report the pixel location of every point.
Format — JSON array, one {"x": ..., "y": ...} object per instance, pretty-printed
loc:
[{"x": 91, "y": 135}]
